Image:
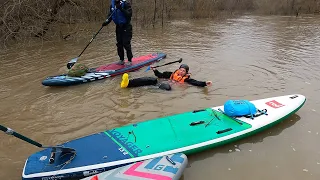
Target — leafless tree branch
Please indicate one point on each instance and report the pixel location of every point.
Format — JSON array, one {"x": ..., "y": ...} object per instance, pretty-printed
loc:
[{"x": 20, "y": 19}]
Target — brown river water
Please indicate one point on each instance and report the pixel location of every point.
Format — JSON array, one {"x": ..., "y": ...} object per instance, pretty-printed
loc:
[{"x": 248, "y": 57}]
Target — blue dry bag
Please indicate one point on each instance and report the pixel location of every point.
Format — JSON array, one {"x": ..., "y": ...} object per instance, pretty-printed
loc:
[{"x": 238, "y": 108}]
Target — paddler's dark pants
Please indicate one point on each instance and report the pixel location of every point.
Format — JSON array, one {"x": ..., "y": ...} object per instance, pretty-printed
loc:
[
  {"x": 147, "y": 81},
  {"x": 124, "y": 36}
]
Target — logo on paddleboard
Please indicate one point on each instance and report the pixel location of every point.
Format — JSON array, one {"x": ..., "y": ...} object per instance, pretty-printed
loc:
[
  {"x": 93, "y": 172},
  {"x": 54, "y": 177},
  {"x": 274, "y": 104},
  {"x": 125, "y": 142},
  {"x": 42, "y": 158}
]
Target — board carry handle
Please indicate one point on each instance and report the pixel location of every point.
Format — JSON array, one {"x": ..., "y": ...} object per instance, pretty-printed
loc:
[
  {"x": 224, "y": 131},
  {"x": 196, "y": 123},
  {"x": 195, "y": 111},
  {"x": 170, "y": 160}
]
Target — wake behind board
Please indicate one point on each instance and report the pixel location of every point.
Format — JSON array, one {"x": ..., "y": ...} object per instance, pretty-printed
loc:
[
  {"x": 187, "y": 133},
  {"x": 169, "y": 167},
  {"x": 105, "y": 71}
]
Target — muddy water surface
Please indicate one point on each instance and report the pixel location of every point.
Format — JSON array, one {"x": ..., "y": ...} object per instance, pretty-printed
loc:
[{"x": 249, "y": 57}]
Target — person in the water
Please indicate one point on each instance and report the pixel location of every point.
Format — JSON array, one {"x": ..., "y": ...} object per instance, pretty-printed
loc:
[{"x": 180, "y": 75}]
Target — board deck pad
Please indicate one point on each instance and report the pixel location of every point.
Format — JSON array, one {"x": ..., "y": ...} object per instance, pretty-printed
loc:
[
  {"x": 104, "y": 71},
  {"x": 144, "y": 140},
  {"x": 169, "y": 167},
  {"x": 187, "y": 133}
]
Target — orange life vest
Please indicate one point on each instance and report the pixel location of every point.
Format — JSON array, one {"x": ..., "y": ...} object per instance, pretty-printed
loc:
[{"x": 176, "y": 77}]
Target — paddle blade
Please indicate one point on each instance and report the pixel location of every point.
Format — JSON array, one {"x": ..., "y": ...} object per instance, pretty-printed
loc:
[
  {"x": 148, "y": 68},
  {"x": 94, "y": 177},
  {"x": 72, "y": 62}
]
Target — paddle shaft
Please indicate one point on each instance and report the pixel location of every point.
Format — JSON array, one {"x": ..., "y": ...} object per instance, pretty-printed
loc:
[
  {"x": 95, "y": 35},
  {"x": 91, "y": 41},
  {"x": 179, "y": 61},
  {"x": 11, "y": 132},
  {"x": 74, "y": 60}
]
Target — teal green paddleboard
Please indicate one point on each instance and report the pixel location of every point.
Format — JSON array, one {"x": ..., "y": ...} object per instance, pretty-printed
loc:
[{"x": 188, "y": 133}]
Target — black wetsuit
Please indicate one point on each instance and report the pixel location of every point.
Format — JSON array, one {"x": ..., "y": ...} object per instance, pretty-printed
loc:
[
  {"x": 123, "y": 31},
  {"x": 145, "y": 81}
]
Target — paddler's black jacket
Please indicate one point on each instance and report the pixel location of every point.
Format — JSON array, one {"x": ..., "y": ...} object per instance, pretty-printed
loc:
[{"x": 167, "y": 75}]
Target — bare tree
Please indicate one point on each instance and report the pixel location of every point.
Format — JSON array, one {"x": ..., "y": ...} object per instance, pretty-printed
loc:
[{"x": 36, "y": 18}]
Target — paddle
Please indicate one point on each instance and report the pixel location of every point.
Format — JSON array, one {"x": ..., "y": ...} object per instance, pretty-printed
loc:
[
  {"x": 179, "y": 61},
  {"x": 9, "y": 131},
  {"x": 74, "y": 60},
  {"x": 55, "y": 149}
]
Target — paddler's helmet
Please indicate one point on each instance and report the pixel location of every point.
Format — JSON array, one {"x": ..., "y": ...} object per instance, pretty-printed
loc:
[{"x": 184, "y": 66}]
